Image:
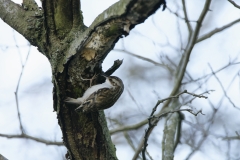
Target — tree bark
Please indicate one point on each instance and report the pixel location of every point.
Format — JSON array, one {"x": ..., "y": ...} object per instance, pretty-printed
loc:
[{"x": 75, "y": 50}]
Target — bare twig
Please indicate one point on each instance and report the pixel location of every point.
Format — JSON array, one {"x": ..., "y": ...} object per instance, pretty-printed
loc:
[
  {"x": 126, "y": 135},
  {"x": 217, "y": 30},
  {"x": 177, "y": 96},
  {"x": 129, "y": 140},
  {"x": 185, "y": 58},
  {"x": 224, "y": 91},
  {"x": 186, "y": 19},
  {"x": 235, "y": 4},
  {"x": 210, "y": 74},
  {"x": 133, "y": 99},
  {"x": 153, "y": 120},
  {"x": 131, "y": 127},
  {"x": 205, "y": 132},
  {"x": 237, "y": 134},
  {"x": 176, "y": 14},
  {"x": 142, "y": 123},
  {"x": 25, "y": 136},
  {"x": 228, "y": 143},
  {"x": 149, "y": 155},
  {"x": 142, "y": 58},
  {"x": 19, "y": 79},
  {"x": 231, "y": 138}
]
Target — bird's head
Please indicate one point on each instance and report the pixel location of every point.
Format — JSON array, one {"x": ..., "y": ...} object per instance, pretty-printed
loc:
[{"x": 113, "y": 81}]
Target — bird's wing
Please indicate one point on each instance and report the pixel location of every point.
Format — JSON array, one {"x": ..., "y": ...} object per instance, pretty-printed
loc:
[{"x": 95, "y": 98}]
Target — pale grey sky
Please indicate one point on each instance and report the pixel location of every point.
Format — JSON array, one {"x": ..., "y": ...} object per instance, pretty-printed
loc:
[{"x": 35, "y": 92}]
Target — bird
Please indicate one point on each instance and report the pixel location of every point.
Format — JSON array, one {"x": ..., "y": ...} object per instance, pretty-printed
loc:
[{"x": 100, "y": 96}]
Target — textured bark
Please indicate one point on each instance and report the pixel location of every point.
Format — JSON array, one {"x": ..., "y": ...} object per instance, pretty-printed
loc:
[
  {"x": 170, "y": 129},
  {"x": 73, "y": 51}
]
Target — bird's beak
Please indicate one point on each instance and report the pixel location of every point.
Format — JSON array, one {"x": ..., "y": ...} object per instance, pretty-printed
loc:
[{"x": 104, "y": 75}]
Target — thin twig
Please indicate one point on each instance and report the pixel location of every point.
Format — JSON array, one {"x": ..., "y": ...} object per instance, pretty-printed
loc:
[
  {"x": 25, "y": 136},
  {"x": 131, "y": 127},
  {"x": 177, "y": 96},
  {"x": 19, "y": 79},
  {"x": 126, "y": 135},
  {"x": 186, "y": 19},
  {"x": 154, "y": 122},
  {"x": 228, "y": 142},
  {"x": 224, "y": 91},
  {"x": 185, "y": 58},
  {"x": 149, "y": 155},
  {"x": 231, "y": 138},
  {"x": 235, "y": 4},
  {"x": 176, "y": 14},
  {"x": 205, "y": 132},
  {"x": 142, "y": 58},
  {"x": 129, "y": 140},
  {"x": 210, "y": 74},
  {"x": 157, "y": 117},
  {"x": 216, "y": 30},
  {"x": 142, "y": 123},
  {"x": 133, "y": 99}
]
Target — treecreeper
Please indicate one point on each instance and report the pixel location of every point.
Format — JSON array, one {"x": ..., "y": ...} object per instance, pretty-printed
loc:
[{"x": 100, "y": 96}]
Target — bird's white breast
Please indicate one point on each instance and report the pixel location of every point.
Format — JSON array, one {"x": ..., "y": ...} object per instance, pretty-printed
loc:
[{"x": 94, "y": 88}]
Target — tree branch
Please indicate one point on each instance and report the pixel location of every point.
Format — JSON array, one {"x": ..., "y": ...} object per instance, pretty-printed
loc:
[
  {"x": 2, "y": 157},
  {"x": 233, "y": 3},
  {"x": 109, "y": 26},
  {"x": 63, "y": 16},
  {"x": 131, "y": 127},
  {"x": 153, "y": 120},
  {"x": 77, "y": 14},
  {"x": 169, "y": 150},
  {"x": 186, "y": 19},
  {"x": 26, "y": 19},
  {"x": 49, "y": 19},
  {"x": 232, "y": 137},
  {"x": 185, "y": 58},
  {"x": 216, "y": 30},
  {"x": 225, "y": 93},
  {"x": 25, "y": 136},
  {"x": 18, "y": 84},
  {"x": 142, "y": 123},
  {"x": 143, "y": 58},
  {"x": 210, "y": 74}
]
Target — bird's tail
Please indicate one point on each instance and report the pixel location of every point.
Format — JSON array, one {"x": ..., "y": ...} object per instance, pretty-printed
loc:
[{"x": 77, "y": 101}]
